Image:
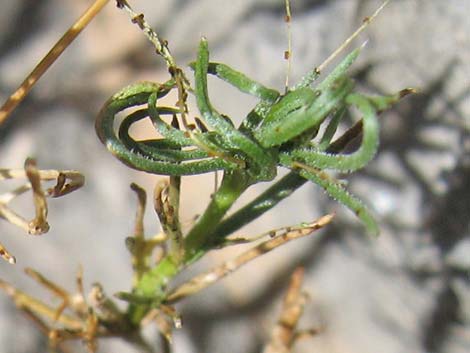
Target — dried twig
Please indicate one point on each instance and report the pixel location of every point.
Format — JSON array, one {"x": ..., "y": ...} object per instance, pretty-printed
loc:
[
  {"x": 141, "y": 248},
  {"x": 285, "y": 333},
  {"x": 50, "y": 58},
  {"x": 161, "y": 48},
  {"x": 73, "y": 318},
  {"x": 26, "y": 302},
  {"x": 167, "y": 209},
  {"x": 66, "y": 182},
  {"x": 205, "y": 279},
  {"x": 166, "y": 318}
]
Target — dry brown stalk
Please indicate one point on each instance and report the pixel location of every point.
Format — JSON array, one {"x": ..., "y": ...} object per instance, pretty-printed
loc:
[
  {"x": 206, "y": 279},
  {"x": 66, "y": 181},
  {"x": 285, "y": 333},
  {"x": 62, "y": 44}
]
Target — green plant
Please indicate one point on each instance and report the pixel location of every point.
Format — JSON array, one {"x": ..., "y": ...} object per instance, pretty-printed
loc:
[{"x": 280, "y": 131}]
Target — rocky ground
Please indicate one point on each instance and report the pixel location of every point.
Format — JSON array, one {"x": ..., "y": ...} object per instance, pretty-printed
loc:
[{"x": 408, "y": 291}]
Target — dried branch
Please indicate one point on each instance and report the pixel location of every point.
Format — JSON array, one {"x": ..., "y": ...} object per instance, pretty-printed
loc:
[
  {"x": 74, "y": 318},
  {"x": 285, "y": 333},
  {"x": 66, "y": 182},
  {"x": 141, "y": 248},
  {"x": 167, "y": 209},
  {"x": 26, "y": 302},
  {"x": 206, "y": 279},
  {"x": 50, "y": 58}
]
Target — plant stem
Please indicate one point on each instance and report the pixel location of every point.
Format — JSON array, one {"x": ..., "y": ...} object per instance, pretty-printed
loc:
[
  {"x": 152, "y": 284},
  {"x": 152, "y": 287},
  {"x": 210, "y": 230},
  {"x": 264, "y": 202},
  {"x": 201, "y": 236}
]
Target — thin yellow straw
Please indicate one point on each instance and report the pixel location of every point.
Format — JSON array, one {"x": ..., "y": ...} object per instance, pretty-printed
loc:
[
  {"x": 49, "y": 59},
  {"x": 365, "y": 23}
]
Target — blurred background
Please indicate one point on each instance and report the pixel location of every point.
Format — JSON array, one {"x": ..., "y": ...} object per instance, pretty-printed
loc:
[{"x": 407, "y": 291}]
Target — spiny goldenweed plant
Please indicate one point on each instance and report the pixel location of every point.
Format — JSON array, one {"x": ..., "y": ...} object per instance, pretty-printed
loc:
[{"x": 293, "y": 129}]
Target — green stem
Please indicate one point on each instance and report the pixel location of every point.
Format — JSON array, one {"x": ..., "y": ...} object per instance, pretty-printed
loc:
[
  {"x": 201, "y": 235},
  {"x": 264, "y": 202},
  {"x": 210, "y": 230},
  {"x": 151, "y": 286}
]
